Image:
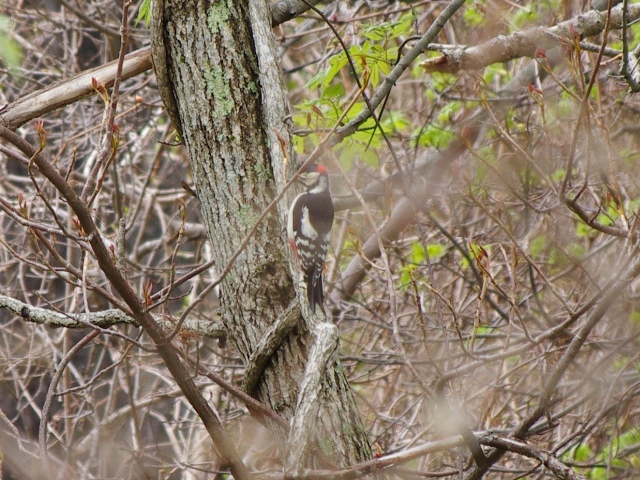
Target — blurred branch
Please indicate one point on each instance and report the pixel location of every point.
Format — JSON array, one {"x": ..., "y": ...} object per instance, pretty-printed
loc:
[
  {"x": 284, "y": 10},
  {"x": 619, "y": 283},
  {"x": 548, "y": 460},
  {"x": 383, "y": 463},
  {"x": 387, "y": 462},
  {"x": 432, "y": 172},
  {"x": 19, "y": 455},
  {"x": 404, "y": 213}
]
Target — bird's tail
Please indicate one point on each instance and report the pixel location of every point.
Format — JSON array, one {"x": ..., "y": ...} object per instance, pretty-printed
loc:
[{"x": 315, "y": 290}]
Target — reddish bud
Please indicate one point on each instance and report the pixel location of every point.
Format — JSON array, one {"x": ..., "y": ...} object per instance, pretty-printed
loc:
[
  {"x": 539, "y": 53},
  {"x": 377, "y": 450},
  {"x": 42, "y": 134},
  {"x": 533, "y": 89}
]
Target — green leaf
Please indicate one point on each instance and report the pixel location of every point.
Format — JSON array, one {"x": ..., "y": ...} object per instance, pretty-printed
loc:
[
  {"x": 558, "y": 175},
  {"x": 374, "y": 75},
  {"x": 335, "y": 91},
  {"x": 316, "y": 80},
  {"x": 10, "y": 52},
  {"x": 405, "y": 276},
  {"x": 404, "y": 25},
  {"x": 336, "y": 63},
  {"x": 417, "y": 253},
  {"x": 447, "y": 111},
  {"x": 583, "y": 230},
  {"x": 351, "y": 150},
  {"x": 493, "y": 71},
  {"x": 576, "y": 250},
  {"x": 370, "y": 157},
  {"x": 630, "y": 438},
  {"x": 582, "y": 452},
  {"x": 433, "y": 136},
  {"x": 374, "y": 32},
  {"x": 484, "y": 330},
  {"x": 396, "y": 122},
  {"x": 144, "y": 13},
  {"x": 436, "y": 250},
  {"x": 473, "y": 17},
  {"x": 524, "y": 17},
  {"x": 537, "y": 246}
]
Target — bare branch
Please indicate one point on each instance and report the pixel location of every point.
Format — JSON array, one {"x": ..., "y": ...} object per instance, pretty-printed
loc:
[
  {"x": 528, "y": 42},
  {"x": 73, "y": 89},
  {"x": 103, "y": 319}
]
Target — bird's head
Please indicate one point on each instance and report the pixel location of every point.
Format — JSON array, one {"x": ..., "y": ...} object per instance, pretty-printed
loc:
[{"x": 315, "y": 178}]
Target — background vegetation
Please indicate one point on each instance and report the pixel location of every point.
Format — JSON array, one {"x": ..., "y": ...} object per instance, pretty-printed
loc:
[{"x": 501, "y": 181}]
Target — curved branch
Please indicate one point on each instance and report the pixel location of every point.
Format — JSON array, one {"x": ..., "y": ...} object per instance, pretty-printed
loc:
[
  {"x": 525, "y": 43},
  {"x": 271, "y": 340}
]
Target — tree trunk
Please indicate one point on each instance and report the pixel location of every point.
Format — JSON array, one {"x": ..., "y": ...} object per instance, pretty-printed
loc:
[{"x": 232, "y": 107}]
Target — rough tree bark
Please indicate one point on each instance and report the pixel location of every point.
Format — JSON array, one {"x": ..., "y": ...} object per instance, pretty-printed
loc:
[{"x": 231, "y": 107}]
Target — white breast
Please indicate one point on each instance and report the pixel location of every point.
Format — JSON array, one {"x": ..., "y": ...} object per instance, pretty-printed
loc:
[{"x": 306, "y": 228}]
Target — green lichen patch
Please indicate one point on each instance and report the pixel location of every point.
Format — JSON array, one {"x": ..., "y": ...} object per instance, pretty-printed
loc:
[
  {"x": 218, "y": 87},
  {"x": 218, "y": 17}
]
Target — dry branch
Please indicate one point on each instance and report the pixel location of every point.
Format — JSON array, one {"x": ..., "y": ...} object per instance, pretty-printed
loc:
[
  {"x": 527, "y": 43},
  {"x": 103, "y": 319},
  {"x": 178, "y": 370},
  {"x": 71, "y": 90}
]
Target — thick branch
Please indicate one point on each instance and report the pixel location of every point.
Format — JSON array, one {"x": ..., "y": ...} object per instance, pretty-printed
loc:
[
  {"x": 321, "y": 357},
  {"x": 103, "y": 319},
  {"x": 80, "y": 86},
  {"x": 71, "y": 90},
  {"x": 284, "y": 10},
  {"x": 525, "y": 44}
]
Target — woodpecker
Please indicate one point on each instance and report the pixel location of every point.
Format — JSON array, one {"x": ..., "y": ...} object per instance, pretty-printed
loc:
[{"x": 309, "y": 229}]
